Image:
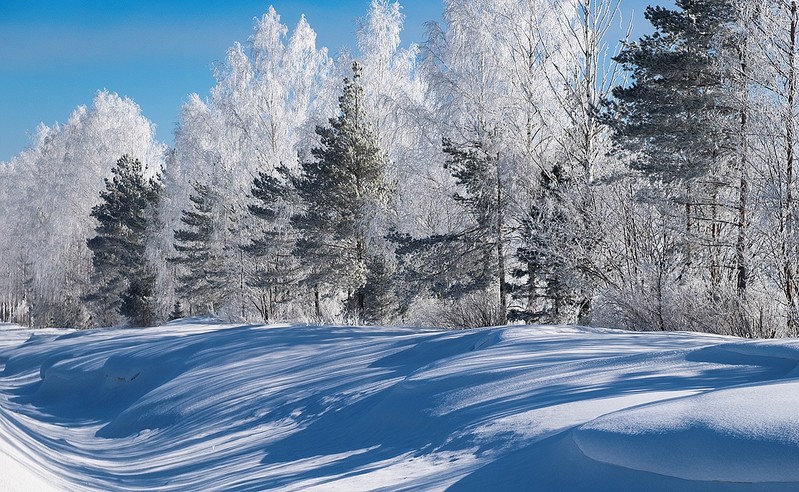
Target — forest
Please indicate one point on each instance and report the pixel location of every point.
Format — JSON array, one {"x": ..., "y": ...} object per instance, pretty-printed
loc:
[{"x": 522, "y": 165}]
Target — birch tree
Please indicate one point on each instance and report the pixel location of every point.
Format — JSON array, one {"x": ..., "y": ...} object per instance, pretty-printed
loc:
[{"x": 259, "y": 115}]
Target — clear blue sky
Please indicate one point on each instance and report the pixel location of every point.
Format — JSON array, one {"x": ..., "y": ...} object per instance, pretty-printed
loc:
[{"x": 55, "y": 54}]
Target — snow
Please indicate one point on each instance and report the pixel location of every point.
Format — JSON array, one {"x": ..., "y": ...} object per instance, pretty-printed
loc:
[
  {"x": 199, "y": 405},
  {"x": 741, "y": 434}
]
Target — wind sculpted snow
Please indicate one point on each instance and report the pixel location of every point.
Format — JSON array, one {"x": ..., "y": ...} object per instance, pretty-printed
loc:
[{"x": 195, "y": 405}]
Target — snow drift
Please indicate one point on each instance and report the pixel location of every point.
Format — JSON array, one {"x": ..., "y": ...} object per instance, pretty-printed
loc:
[{"x": 197, "y": 405}]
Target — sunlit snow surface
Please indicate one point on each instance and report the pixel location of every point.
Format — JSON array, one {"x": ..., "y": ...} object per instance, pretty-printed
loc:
[{"x": 201, "y": 406}]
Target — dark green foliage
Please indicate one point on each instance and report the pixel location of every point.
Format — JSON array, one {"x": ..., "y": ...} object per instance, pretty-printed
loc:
[
  {"x": 475, "y": 171},
  {"x": 467, "y": 260},
  {"x": 277, "y": 269},
  {"x": 447, "y": 265},
  {"x": 138, "y": 301},
  {"x": 378, "y": 291},
  {"x": 676, "y": 115},
  {"x": 344, "y": 192},
  {"x": 201, "y": 277},
  {"x": 548, "y": 293},
  {"x": 125, "y": 217},
  {"x": 177, "y": 312}
]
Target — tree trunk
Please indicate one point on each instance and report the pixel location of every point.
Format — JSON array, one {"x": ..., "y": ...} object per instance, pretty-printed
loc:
[
  {"x": 715, "y": 229},
  {"x": 787, "y": 219},
  {"x": 740, "y": 246},
  {"x": 241, "y": 284},
  {"x": 317, "y": 303},
  {"x": 743, "y": 188},
  {"x": 361, "y": 304},
  {"x": 503, "y": 295}
]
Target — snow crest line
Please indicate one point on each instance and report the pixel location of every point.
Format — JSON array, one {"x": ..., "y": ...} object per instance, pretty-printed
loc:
[{"x": 208, "y": 406}]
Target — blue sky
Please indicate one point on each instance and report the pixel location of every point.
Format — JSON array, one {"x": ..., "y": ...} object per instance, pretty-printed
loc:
[{"x": 56, "y": 54}]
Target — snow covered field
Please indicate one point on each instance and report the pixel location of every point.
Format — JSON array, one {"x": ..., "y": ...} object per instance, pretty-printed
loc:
[{"x": 200, "y": 406}]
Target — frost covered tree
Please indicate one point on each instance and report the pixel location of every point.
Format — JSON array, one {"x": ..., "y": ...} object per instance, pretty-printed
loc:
[
  {"x": 201, "y": 275},
  {"x": 568, "y": 145},
  {"x": 493, "y": 85},
  {"x": 278, "y": 271},
  {"x": 388, "y": 76},
  {"x": 343, "y": 190},
  {"x": 549, "y": 289},
  {"x": 56, "y": 182},
  {"x": 777, "y": 54},
  {"x": 586, "y": 74},
  {"x": 466, "y": 71},
  {"x": 403, "y": 118},
  {"x": 269, "y": 94},
  {"x": 126, "y": 218}
]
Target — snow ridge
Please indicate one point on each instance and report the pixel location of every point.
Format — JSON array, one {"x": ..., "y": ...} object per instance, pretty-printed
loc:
[{"x": 197, "y": 405}]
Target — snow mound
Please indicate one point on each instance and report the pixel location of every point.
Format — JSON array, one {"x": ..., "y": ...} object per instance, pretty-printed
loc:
[
  {"x": 196, "y": 405},
  {"x": 741, "y": 434}
]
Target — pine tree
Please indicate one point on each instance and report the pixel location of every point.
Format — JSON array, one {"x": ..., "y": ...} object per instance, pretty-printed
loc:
[
  {"x": 686, "y": 124},
  {"x": 126, "y": 216},
  {"x": 675, "y": 117},
  {"x": 680, "y": 121},
  {"x": 471, "y": 258},
  {"x": 277, "y": 269},
  {"x": 344, "y": 193},
  {"x": 177, "y": 312},
  {"x": 478, "y": 174},
  {"x": 547, "y": 294},
  {"x": 203, "y": 272}
]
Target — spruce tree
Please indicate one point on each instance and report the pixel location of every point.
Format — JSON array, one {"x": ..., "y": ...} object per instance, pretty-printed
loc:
[
  {"x": 202, "y": 266},
  {"x": 126, "y": 217},
  {"x": 676, "y": 116},
  {"x": 344, "y": 193},
  {"x": 277, "y": 269},
  {"x": 471, "y": 258},
  {"x": 547, "y": 294}
]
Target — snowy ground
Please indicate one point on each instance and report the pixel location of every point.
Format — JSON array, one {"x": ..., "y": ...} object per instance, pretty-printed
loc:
[{"x": 198, "y": 406}]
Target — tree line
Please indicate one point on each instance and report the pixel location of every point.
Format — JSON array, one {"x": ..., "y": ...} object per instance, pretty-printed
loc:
[{"x": 521, "y": 165}]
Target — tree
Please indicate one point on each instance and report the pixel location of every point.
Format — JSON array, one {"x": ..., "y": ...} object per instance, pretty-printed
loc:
[
  {"x": 788, "y": 214},
  {"x": 688, "y": 122},
  {"x": 582, "y": 74},
  {"x": 551, "y": 291},
  {"x": 678, "y": 120},
  {"x": 203, "y": 273},
  {"x": 126, "y": 218},
  {"x": 344, "y": 194},
  {"x": 674, "y": 117},
  {"x": 260, "y": 115},
  {"x": 277, "y": 271},
  {"x": 406, "y": 121},
  {"x": 469, "y": 259},
  {"x": 54, "y": 185},
  {"x": 478, "y": 173},
  {"x": 775, "y": 59},
  {"x": 493, "y": 74}
]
